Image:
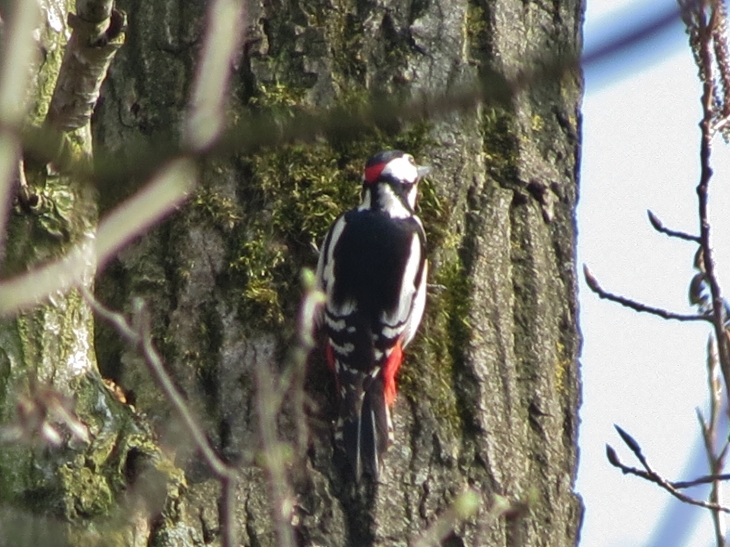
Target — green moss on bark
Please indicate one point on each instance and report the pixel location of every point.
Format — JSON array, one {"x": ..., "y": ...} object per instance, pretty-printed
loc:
[
  {"x": 438, "y": 350},
  {"x": 291, "y": 196},
  {"x": 88, "y": 494},
  {"x": 501, "y": 145}
]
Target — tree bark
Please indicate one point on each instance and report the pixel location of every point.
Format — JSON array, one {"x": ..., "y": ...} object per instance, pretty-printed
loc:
[
  {"x": 489, "y": 390},
  {"x": 68, "y": 445}
]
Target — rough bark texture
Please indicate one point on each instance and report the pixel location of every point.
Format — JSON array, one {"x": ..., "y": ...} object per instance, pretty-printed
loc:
[
  {"x": 490, "y": 390},
  {"x": 73, "y": 493}
]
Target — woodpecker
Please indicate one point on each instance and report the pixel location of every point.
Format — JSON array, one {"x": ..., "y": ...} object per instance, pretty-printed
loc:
[{"x": 372, "y": 268}]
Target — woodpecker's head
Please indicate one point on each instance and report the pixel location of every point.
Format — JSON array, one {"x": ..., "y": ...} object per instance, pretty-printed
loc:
[{"x": 390, "y": 183}]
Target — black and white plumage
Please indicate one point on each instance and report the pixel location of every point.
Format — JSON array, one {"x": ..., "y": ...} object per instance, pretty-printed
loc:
[{"x": 372, "y": 269}]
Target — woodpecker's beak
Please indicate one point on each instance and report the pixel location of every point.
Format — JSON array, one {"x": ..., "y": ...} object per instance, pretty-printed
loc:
[{"x": 423, "y": 170}]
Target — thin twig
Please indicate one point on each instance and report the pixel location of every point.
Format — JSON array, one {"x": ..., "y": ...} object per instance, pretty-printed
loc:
[
  {"x": 256, "y": 131},
  {"x": 650, "y": 475},
  {"x": 464, "y": 507},
  {"x": 705, "y": 58},
  {"x": 274, "y": 454},
  {"x": 131, "y": 218},
  {"x": 165, "y": 383},
  {"x": 638, "y": 306},
  {"x": 710, "y": 435},
  {"x": 269, "y": 401},
  {"x": 707, "y": 479},
  {"x": 98, "y": 33},
  {"x": 659, "y": 227},
  {"x": 706, "y": 26},
  {"x": 15, "y": 72},
  {"x": 140, "y": 337},
  {"x": 223, "y": 36}
]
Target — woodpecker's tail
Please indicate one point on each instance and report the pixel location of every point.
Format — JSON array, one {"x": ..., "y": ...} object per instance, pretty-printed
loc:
[{"x": 364, "y": 429}]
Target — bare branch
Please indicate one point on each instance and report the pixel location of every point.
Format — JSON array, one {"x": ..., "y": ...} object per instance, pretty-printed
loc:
[
  {"x": 709, "y": 431},
  {"x": 275, "y": 454},
  {"x": 638, "y": 306},
  {"x": 659, "y": 227},
  {"x": 19, "y": 50},
  {"x": 257, "y": 131},
  {"x": 707, "y": 479},
  {"x": 252, "y": 133},
  {"x": 633, "y": 37},
  {"x": 464, "y": 507},
  {"x": 654, "y": 477},
  {"x": 633, "y": 446},
  {"x": 703, "y": 30},
  {"x": 139, "y": 335},
  {"x": 269, "y": 400},
  {"x": 223, "y": 37},
  {"x": 97, "y": 35},
  {"x": 133, "y": 217}
]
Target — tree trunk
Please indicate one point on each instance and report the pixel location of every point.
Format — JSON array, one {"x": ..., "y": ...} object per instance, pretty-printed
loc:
[
  {"x": 68, "y": 446},
  {"x": 489, "y": 390}
]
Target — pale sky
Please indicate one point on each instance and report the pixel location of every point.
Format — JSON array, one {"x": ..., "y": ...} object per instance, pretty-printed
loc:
[{"x": 640, "y": 151}]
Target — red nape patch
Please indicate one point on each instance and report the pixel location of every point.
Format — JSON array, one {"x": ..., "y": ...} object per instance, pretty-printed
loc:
[
  {"x": 391, "y": 368},
  {"x": 372, "y": 173}
]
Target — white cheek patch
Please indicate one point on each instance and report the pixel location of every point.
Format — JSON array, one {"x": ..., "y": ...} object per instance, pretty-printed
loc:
[
  {"x": 402, "y": 169},
  {"x": 391, "y": 203},
  {"x": 412, "y": 195}
]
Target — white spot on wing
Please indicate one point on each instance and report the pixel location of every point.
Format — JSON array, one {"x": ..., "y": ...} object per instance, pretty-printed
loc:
[
  {"x": 326, "y": 265},
  {"x": 343, "y": 310},
  {"x": 344, "y": 349},
  {"x": 419, "y": 305},
  {"x": 334, "y": 324},
  {"x": 403, "y": 317}
]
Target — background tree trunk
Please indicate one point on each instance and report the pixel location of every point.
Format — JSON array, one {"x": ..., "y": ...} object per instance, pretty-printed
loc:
[
  {"x": 490, "y": 388},
  {"x": 70, "y": 493}
]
